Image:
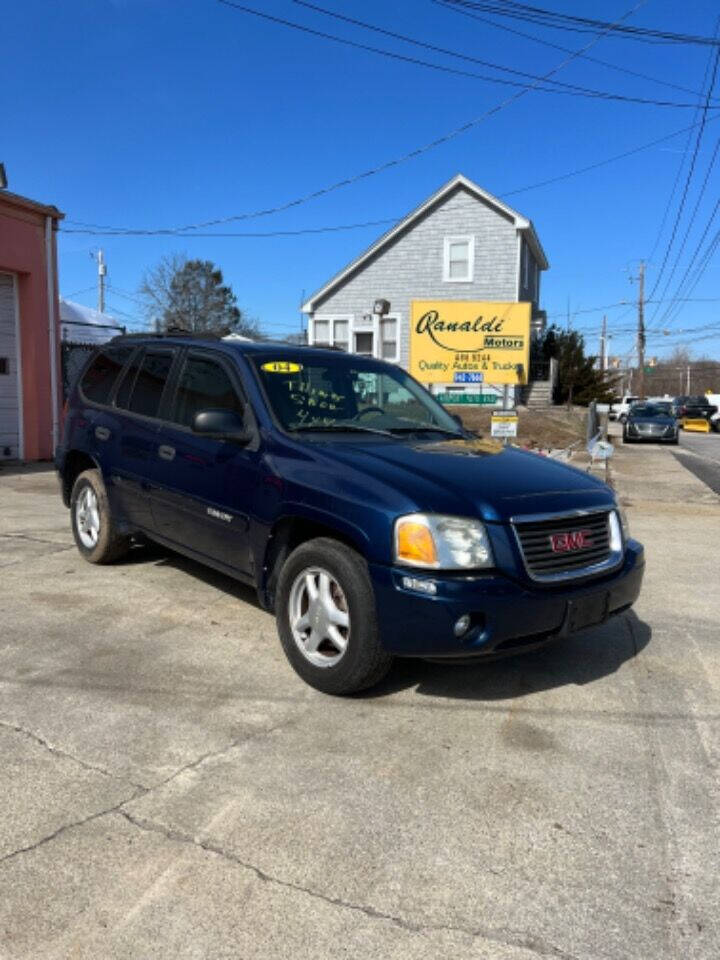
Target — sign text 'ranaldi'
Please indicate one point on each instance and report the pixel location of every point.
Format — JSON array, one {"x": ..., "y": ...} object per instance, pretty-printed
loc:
[{"x": 450, "y": 338}]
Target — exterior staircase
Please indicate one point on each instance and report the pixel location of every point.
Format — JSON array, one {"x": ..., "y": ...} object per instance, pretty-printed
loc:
[{"x": 538, "y": 394}]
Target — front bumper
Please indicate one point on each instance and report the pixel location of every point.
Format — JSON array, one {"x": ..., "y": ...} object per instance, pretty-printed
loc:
[
  {"x": 507, "y": 615},
  {"x": 652, "y": 437}
]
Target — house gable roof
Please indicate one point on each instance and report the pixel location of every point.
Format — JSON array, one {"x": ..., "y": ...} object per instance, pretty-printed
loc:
[
  {"x": 458, "y": 182},
  {"x": 25, "y": 203}
]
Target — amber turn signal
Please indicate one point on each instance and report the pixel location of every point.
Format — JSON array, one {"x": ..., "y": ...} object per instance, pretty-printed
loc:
[{"x": 415, "y": 543}]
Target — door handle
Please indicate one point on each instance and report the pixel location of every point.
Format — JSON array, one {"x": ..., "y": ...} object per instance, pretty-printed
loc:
[
  {"x": 102, "y": 433},
  {"x": 165, "y": 452}
]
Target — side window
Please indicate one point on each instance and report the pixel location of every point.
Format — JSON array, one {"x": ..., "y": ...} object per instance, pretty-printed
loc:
[
  {"x": 204, "y": 385},
  {"x": 142, "y": 388},
  {"x": 99, "y": 378}
]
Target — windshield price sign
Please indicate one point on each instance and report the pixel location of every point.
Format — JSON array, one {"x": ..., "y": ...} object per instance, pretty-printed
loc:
[
  {"x": 503, "y": 424},
  {"x": 457, "y": 341}
]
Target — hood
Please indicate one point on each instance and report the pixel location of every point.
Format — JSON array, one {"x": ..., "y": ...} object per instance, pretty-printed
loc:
[{"x": 473, "y": 477}]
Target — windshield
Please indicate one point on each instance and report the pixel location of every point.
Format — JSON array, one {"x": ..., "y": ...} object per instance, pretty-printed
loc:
[
  {"x": 346, "y": 394},
  {"x": 648, "y": 410}
]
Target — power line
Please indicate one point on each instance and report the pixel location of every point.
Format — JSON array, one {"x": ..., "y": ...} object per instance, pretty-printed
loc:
[
  {"x": 77, "y": 293},
  {"x": 691, "y": 283},
  {"x": 373, "y": 171},
  {"x": 123, "y": 231},
  {"x": 691, "y": 171},
  {"x": 556, "y": 46},
  {"x": 96, "y": 229},
  {"x": 564, "y": 21},
  {"x": 394, "y": 55},
  {"x": 562, "y": 87},
  {"x": 676, "y": 182}
]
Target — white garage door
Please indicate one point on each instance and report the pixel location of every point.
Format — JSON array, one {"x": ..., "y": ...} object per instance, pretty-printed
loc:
[{"x": 9, "y": 379}]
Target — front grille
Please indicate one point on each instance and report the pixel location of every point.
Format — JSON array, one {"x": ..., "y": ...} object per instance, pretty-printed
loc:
[{"x": 537, "y": 537}]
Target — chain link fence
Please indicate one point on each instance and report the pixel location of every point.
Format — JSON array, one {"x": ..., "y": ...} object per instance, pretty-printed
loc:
[{"x": 73, "y": 355}]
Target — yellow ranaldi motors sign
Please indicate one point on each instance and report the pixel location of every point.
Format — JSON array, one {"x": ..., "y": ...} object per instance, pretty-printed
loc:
[{"x": 469, "y": 341}]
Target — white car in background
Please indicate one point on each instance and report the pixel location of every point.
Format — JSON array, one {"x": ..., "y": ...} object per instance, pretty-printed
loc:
[{"x": 620, "y": 410}]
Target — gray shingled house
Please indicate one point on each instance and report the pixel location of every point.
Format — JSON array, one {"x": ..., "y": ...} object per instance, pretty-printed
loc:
[{"x": 462, "y": 243}]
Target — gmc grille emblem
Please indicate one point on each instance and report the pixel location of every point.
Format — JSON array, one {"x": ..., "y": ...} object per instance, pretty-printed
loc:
[{"x": 573, "y": 540}]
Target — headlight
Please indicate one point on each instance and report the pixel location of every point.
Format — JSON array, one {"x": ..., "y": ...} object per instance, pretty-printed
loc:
[
  {"x": 442, "y": 543},
  {"x": 625, "y": 526}
]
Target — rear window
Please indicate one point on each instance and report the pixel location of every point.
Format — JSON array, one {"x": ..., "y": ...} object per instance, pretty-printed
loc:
[
  {"x": 144, "y": 383},
  {"x": 99, "y": 378}
]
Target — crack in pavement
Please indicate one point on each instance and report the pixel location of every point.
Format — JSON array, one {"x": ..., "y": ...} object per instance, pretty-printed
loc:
[
  {"x": 69, "y": 826},
  {"x": 504, "y": 936},
  {"x": 139, "y": 789},
  {"x": 26, "y": 536},
  {"x": 36, "y": 738},
  {"x": 212, "y": 754}
]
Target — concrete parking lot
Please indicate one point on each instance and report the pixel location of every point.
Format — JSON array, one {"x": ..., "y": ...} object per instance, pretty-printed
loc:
[{"x": 171, "y": 789}]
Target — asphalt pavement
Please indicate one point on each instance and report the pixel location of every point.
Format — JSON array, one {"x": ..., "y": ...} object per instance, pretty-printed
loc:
[
  {"x": 170, "y": 789},
  {"x": 700, "y": 453}
]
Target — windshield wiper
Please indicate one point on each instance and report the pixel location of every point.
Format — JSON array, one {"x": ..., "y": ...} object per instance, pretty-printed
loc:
[
  {"x": 338, "y": 428},
  {"x": 422, "y": 428}
]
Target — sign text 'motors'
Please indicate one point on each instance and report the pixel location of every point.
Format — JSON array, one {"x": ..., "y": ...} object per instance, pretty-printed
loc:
[{"x": 491, "y": 339}]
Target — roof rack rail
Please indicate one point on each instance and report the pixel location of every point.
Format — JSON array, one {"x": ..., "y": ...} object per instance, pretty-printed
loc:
[{"x": 170, "y": 332}]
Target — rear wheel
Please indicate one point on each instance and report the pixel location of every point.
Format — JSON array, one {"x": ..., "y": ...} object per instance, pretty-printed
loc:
[
  {"x": 326, "y": 618},
  {"x": 95, "y": 532}
]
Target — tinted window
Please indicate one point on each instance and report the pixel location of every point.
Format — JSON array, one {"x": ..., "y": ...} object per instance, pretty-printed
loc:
[
  {"x": 100, "y": 376},
  {"x": 126, "y": 384},
  {"x": 145, "y": 388},
  {"x": 204, "y": 385}
]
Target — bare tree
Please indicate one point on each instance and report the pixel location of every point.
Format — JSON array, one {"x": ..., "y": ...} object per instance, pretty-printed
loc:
[{"x": 184, "y": 294}]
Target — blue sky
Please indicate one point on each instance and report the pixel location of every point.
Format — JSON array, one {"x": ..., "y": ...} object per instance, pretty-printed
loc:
[{"x": 154, "y": 114}]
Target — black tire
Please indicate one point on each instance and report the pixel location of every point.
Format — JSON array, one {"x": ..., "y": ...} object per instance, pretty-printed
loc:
[
  {"x": 364, "y": 661},
  {"x": 626, "y": 438},
  {"x": 110, "y": 545}
]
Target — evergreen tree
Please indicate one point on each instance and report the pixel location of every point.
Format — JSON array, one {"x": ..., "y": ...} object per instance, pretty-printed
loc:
[
  {"x": 579, "y": 380},
  {"x": 190, "y": 295}
]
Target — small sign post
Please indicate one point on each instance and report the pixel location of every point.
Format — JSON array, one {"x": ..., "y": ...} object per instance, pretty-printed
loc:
[{"x": 503, "y": 424}]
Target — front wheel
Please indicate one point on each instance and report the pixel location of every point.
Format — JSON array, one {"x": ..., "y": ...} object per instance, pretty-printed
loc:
[
  {"x": 95, "y": 533},
  {"x": 326, "y": 618}
]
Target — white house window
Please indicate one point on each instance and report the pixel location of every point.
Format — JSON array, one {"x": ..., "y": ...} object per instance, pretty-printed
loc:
[
  {"x": 341, "y": 335},
  {"x": 526, "y": 265},
  {"x": 325, "y": 331},
  {"x": 390, "y": 337},
  {"x": 458, "y": 259}
]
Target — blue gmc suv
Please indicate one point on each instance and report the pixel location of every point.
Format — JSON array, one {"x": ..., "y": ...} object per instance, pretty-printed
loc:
[{"x": 365, "y": 516}]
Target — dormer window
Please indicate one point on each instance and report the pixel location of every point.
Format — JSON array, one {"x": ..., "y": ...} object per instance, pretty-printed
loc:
[{"x": 458, "y": 259}]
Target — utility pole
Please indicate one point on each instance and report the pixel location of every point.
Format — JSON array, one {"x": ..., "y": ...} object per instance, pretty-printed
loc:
[
  {"x": 604, "y": 346},
  {"x": 641, "y": 330},
  {"x": 687, "y": 390},
  {"x": 102, "y": 271}
]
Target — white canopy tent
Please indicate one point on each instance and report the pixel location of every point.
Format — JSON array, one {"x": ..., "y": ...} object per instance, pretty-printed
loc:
[{"x": 85, "y": 325}]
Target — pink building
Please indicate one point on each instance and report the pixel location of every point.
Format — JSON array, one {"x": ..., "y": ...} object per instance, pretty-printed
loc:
[{"x": 30, "y": 382}]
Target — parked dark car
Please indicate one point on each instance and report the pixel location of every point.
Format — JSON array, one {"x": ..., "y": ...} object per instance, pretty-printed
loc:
[
  {"x": 694, "y": 407},
  {"x": 363, "y": 514},
  {"x": 650, "y": 421}
]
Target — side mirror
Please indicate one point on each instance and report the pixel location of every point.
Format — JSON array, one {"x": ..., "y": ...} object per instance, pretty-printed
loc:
[{"x": 221, "y": 425}]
